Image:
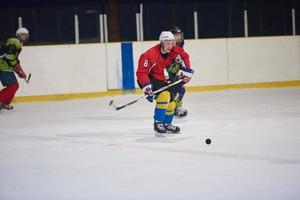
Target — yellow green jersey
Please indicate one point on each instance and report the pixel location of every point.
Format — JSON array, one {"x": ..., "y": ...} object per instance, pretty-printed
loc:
[{"x": 9, "y": 53}]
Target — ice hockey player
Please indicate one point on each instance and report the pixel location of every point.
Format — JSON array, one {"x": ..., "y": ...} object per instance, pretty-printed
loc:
[
  {"x": 9, "y": 63},
  {"x": 173, "y": 69},
  {"x": 151, "y": 76}
]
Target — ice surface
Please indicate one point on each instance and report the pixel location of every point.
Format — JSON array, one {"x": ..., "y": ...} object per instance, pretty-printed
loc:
[{"x": 83, "y": 150}]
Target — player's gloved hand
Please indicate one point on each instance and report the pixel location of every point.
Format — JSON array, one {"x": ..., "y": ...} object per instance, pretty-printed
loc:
[
  {"x": 186, "y": 79},
  {"x": 22, "y": 75},
  {"x": 20, "y": 72},
  {"x": 148, "y": 91},
  {"x": 187, "y": 74}
]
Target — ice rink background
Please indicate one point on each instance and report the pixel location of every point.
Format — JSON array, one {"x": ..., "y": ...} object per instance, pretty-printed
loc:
[{"x": 83, "y": 150}]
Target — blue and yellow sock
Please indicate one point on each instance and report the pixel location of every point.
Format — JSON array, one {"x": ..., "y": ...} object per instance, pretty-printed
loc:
[
  {"x": 161, "y": 106},
  {"x": 170, "y": 113}
]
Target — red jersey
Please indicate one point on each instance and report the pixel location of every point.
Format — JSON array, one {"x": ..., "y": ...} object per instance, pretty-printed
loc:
[{"x": 152, "y": 63}]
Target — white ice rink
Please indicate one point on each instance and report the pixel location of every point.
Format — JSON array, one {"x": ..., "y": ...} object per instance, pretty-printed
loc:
[{"x": 82, "y": 150}]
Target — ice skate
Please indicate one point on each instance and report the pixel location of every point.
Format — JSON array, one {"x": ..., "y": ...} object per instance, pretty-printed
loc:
[
  {"x": 6, "y": 106},
  {"x": 180, "y": 112},
  {"x": 160, "y": 129},
  {"x": 170, "y": 128}
]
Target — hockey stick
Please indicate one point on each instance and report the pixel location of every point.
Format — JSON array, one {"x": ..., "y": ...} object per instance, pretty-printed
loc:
[
  {"x": 28, "y": 78},
  {"x": 111, "y": 103}
]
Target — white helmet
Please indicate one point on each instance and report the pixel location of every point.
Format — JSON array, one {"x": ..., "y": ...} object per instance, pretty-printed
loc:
[
  {"x": 22, "y": 30},
  {"x": 166, "y": 36}
]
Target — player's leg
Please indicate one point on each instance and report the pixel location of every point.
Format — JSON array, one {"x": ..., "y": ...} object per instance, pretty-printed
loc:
[
  {"x": 169, "y": 118},
  {"x": 179, "y": 110},
  {"x": 10, "y": 83},
  {"x": 162, "y": 102},
  {"x": 164, "y": 109},
  {"x": 170, "y": 111}
]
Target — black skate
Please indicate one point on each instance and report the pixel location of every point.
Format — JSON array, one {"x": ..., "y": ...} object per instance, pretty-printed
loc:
[
  {"x": 180, "y": 112},
  {"x": 159, "y": 127},
  {"x": 172, "y": 129},
  {"x": 6, "y": 106}
]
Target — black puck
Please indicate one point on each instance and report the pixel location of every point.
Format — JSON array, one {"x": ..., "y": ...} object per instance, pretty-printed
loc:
[{"x": 207, "y": 141}]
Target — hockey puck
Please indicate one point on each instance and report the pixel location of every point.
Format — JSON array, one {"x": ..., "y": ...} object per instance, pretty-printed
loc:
[{"x": 207, "y": 141}]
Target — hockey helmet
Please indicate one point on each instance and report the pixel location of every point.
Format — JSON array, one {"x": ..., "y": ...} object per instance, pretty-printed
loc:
[
  {"x": 22, "y": 30},
  {"x": 22, "y": 34},
  {"x": 178, "y": 34},
  {"x": 166, "y": 36}
]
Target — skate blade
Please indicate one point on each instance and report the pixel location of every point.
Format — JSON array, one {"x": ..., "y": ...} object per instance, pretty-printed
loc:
[
  {"x": 173, "y": 133},
  {"x": 3, "y": 110},
  {"x": 161, "y": 135}
]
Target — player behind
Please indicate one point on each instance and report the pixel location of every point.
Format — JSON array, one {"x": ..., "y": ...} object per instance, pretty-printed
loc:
[
  {"x": 150, "y": 77},
  {"x": 9, "y": 63},
  {"x": 173, "y": 70}
]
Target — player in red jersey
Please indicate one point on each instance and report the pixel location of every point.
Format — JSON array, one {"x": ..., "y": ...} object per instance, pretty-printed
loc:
[{"x": 152, "y": 75}]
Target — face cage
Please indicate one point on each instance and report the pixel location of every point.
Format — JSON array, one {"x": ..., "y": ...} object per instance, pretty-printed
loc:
[
  {"x": 23, "y": 37},
  {"x": 162, "y": 43}
]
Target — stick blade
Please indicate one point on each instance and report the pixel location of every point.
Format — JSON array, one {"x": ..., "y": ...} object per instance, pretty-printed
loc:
[
  {"x": 112, "y": 105},
  {"x": 116, "y": 108},
  {"x": 28, "y": 79}
]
